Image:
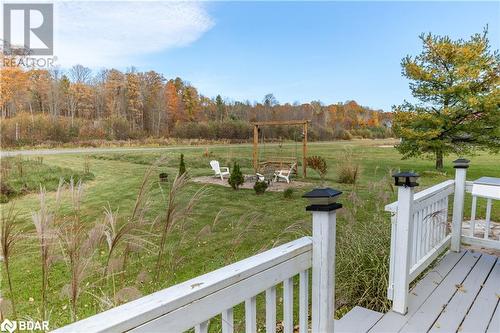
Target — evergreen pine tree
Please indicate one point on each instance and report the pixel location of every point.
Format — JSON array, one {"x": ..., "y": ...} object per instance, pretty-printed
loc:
[
  {"x": 236, "y": 179},
  {"x": 182, "y": 166}
]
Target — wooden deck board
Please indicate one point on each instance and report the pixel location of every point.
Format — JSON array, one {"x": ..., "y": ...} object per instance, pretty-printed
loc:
[
  {"x": 460, "y": 294},
  {"x": 426, "y": 315},
  {"x": 392, "y": 321},
  {"x": 358, "y": 320},
  {"x": 484, "y": 305},
  {"x": 494, "y": 326},
  {"x": 452, "y": 316}
]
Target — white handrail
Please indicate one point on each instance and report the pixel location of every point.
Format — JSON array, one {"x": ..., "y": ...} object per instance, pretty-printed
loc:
[
  {"x": 424, "y": 194},
  {"x": 194, "y": 302},
  {"x": 428, "y": 230}
]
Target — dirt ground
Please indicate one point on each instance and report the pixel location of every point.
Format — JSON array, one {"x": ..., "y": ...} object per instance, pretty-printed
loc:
[{"x": 274, "y": 187}]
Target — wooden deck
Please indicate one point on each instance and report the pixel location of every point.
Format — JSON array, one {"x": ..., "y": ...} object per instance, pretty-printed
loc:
[{"x": 460, "y": 294}]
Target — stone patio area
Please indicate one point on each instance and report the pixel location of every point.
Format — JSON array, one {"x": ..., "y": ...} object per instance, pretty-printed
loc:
[{"x": 250, "y": 181}]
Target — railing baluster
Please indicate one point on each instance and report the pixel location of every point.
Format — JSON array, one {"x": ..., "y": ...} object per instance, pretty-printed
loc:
[
  {"x": 425, "y": 224},
  {"x": 392, "y": 262},
  {"x": 414, "y": 254},
  {"x": 435, "y": 221},
  {"x": 439, "y": 220},
  {"x": 251, "y": 315},
  {"x": 488, "y": 219},
  {"x": 202, "y": 327},
  {"x": 445, "y": 224},
  {"x": 418, "y": 236},
  {"x": 473, "y": 216},
  {"x": 428, "y": 224},
  {"x": 304, "y": 302},
  {"x": 271, "y": 310},
  {"x": 227, "y": 321},
  {"x": 288, "y": 305},
  {"x": 442, "y": 221}
]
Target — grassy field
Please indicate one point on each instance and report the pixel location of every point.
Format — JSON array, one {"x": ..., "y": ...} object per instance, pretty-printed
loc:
[
  {"x": 225, "y": 225},
  {"x": 21, "y": 175}
]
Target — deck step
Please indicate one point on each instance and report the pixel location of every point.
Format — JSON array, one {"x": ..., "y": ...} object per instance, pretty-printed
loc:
[{"x": 358, "y": 320}]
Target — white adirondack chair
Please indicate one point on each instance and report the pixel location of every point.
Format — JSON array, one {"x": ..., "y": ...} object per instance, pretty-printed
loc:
[
  {"x": 284, "y": 174},
  {"x": 218, "y": 169}
]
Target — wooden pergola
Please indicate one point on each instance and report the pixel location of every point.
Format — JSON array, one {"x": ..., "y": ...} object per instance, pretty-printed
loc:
[{"x": 256, "y": 126}]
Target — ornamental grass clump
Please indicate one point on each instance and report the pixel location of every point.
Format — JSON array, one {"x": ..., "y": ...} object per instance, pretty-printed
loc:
[
  {"x": 348, "y": 169},
  {"x": 78, "y": 246},
  {"x": 363, "y": 251},
  {"x": 10, "y": 235},
  {"x": 176, "y": 214},
  {"x": 46, "y": 233}
]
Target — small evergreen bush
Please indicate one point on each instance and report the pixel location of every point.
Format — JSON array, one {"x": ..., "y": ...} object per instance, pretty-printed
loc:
[
  {"x": 182, "y": 166},
  {"x": 288, "y": 193},
  {"x": 236, "y": 179},
  {"x": 260, "y": 187}
]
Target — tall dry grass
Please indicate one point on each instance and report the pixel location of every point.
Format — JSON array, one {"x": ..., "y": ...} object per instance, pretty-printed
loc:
[
  {"x": 135, "y": 233},
  {"x": 175, "y": 216},
  {"x": 348, "y": 169},
  {"x": 78, "y": 246},
  {"x": 10, "y": 235},
  {"x": 46, "y": 233},
  {"x": 362, "y": 258}
]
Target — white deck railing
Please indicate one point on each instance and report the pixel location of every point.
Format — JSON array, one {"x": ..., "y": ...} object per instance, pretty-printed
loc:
[
  {"x": 193, "y": 303},
  {"x": 488, "y": 239},
  {"x": 421, "y": 231},
  {"x": 430, "y": 233}
]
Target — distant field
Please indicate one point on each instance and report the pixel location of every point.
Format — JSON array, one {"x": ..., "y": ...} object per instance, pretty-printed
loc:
[{"x": 247, "y": 224}]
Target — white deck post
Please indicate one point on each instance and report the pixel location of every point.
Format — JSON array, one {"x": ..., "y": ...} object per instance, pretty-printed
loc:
[
  {"x": 323, "y": 208},
  {"x": 403, "y": 243},
  {"x": 460, "y": 166}
]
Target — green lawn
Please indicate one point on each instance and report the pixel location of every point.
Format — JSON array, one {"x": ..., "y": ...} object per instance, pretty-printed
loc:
[
  {"x": 248, "y": 223},
  {"x": 25, "y": 175}
]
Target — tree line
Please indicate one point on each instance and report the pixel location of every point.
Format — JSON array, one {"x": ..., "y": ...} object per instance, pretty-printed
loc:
[{"x": 40, "y": 105}]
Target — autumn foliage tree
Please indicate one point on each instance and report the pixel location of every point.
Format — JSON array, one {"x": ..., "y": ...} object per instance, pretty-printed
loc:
[
  {"x": 457, "y": 85},
  {"x": 78, "y": 104}
]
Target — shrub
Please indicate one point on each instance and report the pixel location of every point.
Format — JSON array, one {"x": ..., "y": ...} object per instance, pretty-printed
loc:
[
  {"x": 318, "y": 164},
  {"x": 362, "y": 257},
  {"x": 6, "y": 189},
  {"x": 341, "y": 134},
  {"x": 118, "y": 127},
  {"x": 182, "y": 166},
  {"x": 348, "y": 169},
  {"x": 260, "y": 187},
  {"x": 288, "y": 193},
  {"x": 236, "y": 179},
  {"x": 348, "y": 173}
]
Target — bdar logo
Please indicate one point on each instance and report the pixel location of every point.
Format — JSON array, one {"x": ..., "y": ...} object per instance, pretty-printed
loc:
[{"x": 8, "y": 326}]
